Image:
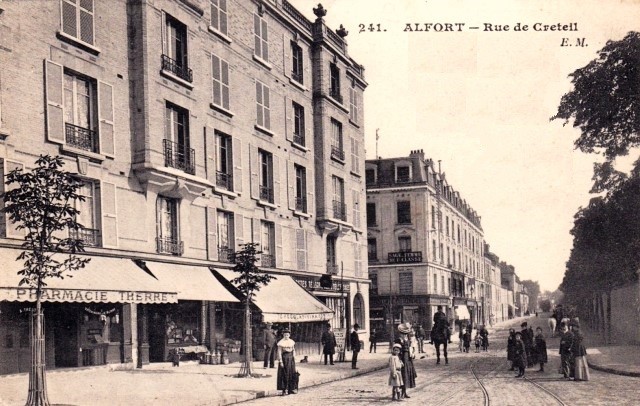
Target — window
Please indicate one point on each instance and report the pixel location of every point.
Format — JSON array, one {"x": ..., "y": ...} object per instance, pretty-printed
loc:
[
  {"x": 263, "y": 114},
  {"x": 87, "y": 216},
  {"x": 80, "y": 113},
  {"x": 298, "y": 124},
  {"x": 354, "y": 102},
  {"x": 447, "y": 224},
  {"x": 448, "y": 256},
  {"x": 441, "y": 252},
  {"x": 220, "y": 76},
  {"x": 404, "y": 243},
  {"x": 358, "y": 309},
  {"x": 224, "y": 161},
  {"x": 219, "y": 16},
  {"x": 435, "y": 283},
  {"x": 371, "y": 215},
  {"x": 225, "y": 236},
  {"x": 168, "y": 239},
  {"x": 374, "y": 283},
  {"x": 174, "y": 57},
  {"x": 453, "y": 258},
  {"x": 370, "y": 176},
  {"x": 372, "y": 249},
  {"x": 458, "y": 233},
  {"x": 78, "y": 20},
  {"x": 334, "y": 75},
  {"x": 261, "y": 49},
  {"x": 298, "y": 67},
  {"x": 332, "y": 260},
  {"x": 406, "y": 283},
  {"x": 266, "y": 176},
  {"x": 403, "y": 211},
  {"x": 433, "y": 217},
  {"x": 267, "y": 232},
  {"x": 433, "y": 248},
  {"x": 177, "y": 153},
  {"x": 339, "y": 208},
  {"x": 442, "y": 284},
  {"x": 403, "y": 174},
  {"x": 337, "y": 143},
  {"x": 301, "y": 188}
]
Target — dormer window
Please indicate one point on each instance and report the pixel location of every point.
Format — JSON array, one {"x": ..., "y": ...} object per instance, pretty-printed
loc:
[
  {"x": 370, "y": 176},
  {"x": 403, "y": 174}
]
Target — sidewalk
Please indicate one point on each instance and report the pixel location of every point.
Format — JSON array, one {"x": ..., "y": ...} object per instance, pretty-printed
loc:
[
  {"x": 614, "y": 359},
  {"x": 189, "y": 384}
]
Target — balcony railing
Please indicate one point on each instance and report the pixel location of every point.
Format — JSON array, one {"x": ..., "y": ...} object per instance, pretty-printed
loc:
[
  {"x": 90, "y": 237},
  {"x": 225, "y": 254},
  {"x": 267, "y": 260},
  {"x": 337, "y": 153},
  {"x": 298, "y": 139},
  {"x": 179, "y": 156},
  {"x": 81, "y": 138},
  {"x": 335, "y": 94},
  {"x": 404, "y": 257},
  {"x": 301, "y": 204},
  {"x": 224, "y": 180},
  {"x": 332, "y": 269},
  {"x": 169, "y": 246},
  {"x": 339, "y": 210},
  {"x": 177, "y": 68},
  {"x": 298, "y": 16},
  {"x": 266, "y": 193}
]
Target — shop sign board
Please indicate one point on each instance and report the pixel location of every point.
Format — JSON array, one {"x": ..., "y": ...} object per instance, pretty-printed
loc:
[
  {"x": 87, "y": 296},
  {"x": 311, "y": 283},
  {"x": 341, "y": 339},
  {"x": 295, "y": 317}
]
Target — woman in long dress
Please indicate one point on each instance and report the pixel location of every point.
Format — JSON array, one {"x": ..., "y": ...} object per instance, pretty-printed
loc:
[
  {"x": 287, "y": 376},
  {"x": 579, "y": 352},
  {"x": 408, "y": 370}
]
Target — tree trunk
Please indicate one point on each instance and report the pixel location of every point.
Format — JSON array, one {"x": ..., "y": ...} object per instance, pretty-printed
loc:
[{"x": 37, "y": 374}]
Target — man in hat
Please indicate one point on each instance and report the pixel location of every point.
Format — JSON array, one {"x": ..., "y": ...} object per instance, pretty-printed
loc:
[
  {"x": 354, "y": 340},
  {"x": 270, "y": 348},
  {"x": 527, "y": 339},
  {"x": 329, "y": 344}
]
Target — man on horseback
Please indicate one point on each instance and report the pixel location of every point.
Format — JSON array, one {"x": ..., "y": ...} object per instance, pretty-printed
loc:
[{"x": 440, "y": 334}]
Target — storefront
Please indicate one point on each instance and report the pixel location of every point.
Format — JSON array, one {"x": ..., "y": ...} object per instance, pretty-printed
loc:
[{"x": 89, "y": 316}]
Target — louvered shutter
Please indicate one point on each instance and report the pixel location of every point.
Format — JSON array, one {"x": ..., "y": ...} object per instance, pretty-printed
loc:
[
  {"x": 106, "y": 119},
  {"x": 288, "y": 122},
  {"x": 109, "y": 215},
  {"x": 236, "y": 149},
  {"x": 210, "y": 148},
  {"x": 254, "y": 167},
  {"x": 291, "y": 185},
  {"x": 277, "y": 184},
  {"x": 255, "y": 230},
  {"x": 86, "y": 21},
  {"x": 238, "y": 231},
  {"x": 286, "y": 51},
  {"x": 69, "y": 13},
  {"x": 212, "y": 234},
  {"x": 55, "y": 101},
  {"x": 278, "y": 237},
  {"x": 301, "y": 249}
]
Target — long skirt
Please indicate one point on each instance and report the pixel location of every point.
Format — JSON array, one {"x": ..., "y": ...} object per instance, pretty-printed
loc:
[
  {"x": 408, "y": 373},
  {"x": 581, "y": 372},
  {"x": 287, "y": 375}
]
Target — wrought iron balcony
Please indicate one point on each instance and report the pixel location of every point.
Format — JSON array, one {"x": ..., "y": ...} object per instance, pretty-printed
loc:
[
  {"x": 298, "y": 139},
  {"x": 339, "y": 210},
  {"x": 301, "y": 204},
  {"x": 337, "y": 153},
  {"x": 224, "y": 180},
  {"x": 266, "y": 193},
  {"x": 90, "y": 237},
  {"x": 332, "y": 269},
  {"x": 180, "y": 70},
  {"x": 267, "y": 260},
  {"x": 169, "y": 246},
  {"x": 179, "y": 156},
  {"x": 81, "y": 138},
  {"x": 335, "y": 94},
  {"x": 225, "y": 254},
  {"x": 404, "y": 257}
]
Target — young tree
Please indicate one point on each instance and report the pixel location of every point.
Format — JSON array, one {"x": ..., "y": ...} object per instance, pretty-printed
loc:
[
  {"x": 251, "y": 279},
  {"x": 41, "y": 202}
]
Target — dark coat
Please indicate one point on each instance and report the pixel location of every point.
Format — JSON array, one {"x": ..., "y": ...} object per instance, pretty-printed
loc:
[
  {"x": 408, "y": 370},
  {"x": 269, "y": 337},
  {"x": 577, "y": 347},
  {"x": 566, "y": 343},
  {"x": 540, "y": 349},
  {"x": 329, "y": 343},
  {"x": 519, "y": 354},
  {"x": 511, "y": 347},
  {"x": 354, "y": 340}
]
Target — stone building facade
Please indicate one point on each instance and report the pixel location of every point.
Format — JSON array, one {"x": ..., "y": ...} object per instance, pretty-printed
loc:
[{"x": 198, "y": 125}]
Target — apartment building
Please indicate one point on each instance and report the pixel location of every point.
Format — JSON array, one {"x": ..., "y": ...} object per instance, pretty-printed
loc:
[{"x": 198, "y": 126}]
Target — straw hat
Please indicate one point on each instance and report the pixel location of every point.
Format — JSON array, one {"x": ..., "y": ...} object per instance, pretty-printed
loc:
[
  {"x": 398, "y": 346},
  {"x": 404, "y": 328}
]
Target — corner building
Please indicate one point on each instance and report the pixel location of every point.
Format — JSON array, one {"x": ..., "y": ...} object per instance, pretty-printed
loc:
[
  {"x": 425, "y": 245},
  {"x": 198, "y": 125}
]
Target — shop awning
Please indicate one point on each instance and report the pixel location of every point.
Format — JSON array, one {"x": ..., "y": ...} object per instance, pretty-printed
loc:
[
  {"x": 284, "y": 301},
  {"x": 191, "y": 282},
  {"x": 102, "y": 280},
  {"x": 462, "y": 312}
]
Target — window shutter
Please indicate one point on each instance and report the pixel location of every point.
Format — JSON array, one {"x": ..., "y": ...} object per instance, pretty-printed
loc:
[
  {"x": 306, "y": 66},
  {"x": 265, "y": 40},
  {"x": 105, "y": 118},
  {"x": 238, "y": 219},
  {"x": 163, "y": 33},
  {"x": 255, "y": 229},
  {"x": 254, "y": 167},
  {"x": 289, "y": 253},
  {"x": 301, "y": 249},
  {"x": 355, "y": 202},
  {"x": 310, "y": 194},
  {"x": 278, "y": 236},
  {"x": 55, "y": 101},
  {"x": 236, "y": 149},
  {"x": 277, "y": 184},
  {"x": 69, "y": 20},
  {"x": 210, "y": 150},
  {"x": 109, "y": 215},
  {"x": 86, "y": 21},
  {"x": 288, "y": 122},
  {"x": 286, "y": 51},
  {"x": 212, "y": 234},
  {"x": 11, "y": 230},
  {"x": 308, "y": 129},
  {"x": 291, "y": 185},
  {"x": 225, "y": 84},
  {"x": 217, "y": 80}
]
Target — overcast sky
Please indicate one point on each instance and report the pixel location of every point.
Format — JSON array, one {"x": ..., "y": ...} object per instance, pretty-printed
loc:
[{"x": 481, "y": 101}]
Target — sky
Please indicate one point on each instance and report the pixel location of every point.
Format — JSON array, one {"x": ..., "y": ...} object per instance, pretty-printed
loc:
[{"x": 481, "y": 101}]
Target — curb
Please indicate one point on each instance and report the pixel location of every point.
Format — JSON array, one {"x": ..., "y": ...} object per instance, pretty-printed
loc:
[
  {"x": 614, "y": 371},
  {"x": 274, "y": 393}
]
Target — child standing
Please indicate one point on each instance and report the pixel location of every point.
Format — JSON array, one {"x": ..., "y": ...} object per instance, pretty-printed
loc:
[
  {"x": 477, "y": 340},
  {"x": 395, "y": 376},
  {"x": 540, "y": 349},
  {"x": 466, "y": 340}
]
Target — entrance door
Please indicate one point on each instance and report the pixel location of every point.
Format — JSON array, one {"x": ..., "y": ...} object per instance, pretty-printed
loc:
[{"x": 65, "y": 332}]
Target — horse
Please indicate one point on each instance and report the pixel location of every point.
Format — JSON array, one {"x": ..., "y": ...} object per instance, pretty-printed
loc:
[
  {"x": 552, "y": 326},
  {"x": 440, "y": 336}
]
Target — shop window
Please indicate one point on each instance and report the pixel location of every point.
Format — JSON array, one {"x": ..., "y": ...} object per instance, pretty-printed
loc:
[
  {"x": 183, "y": 324},
  {"x": 358, "y": 310}
]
